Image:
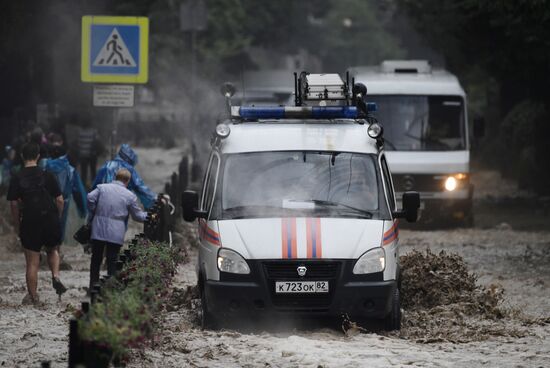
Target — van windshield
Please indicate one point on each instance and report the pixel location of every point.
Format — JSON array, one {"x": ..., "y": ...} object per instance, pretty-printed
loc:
[
  {"x": 291, "y": 183},
  {"x": 421, "y": 123}
]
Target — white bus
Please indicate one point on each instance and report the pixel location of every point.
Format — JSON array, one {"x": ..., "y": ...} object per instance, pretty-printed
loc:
[{"x": 424, "y": 114}]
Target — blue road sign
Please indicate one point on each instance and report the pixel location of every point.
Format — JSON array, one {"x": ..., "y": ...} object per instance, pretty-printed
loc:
[{"x": 114, "y": 49}]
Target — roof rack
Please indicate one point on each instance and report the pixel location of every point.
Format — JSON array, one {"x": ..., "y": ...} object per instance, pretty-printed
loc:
[{"x": 317, "y": 96}]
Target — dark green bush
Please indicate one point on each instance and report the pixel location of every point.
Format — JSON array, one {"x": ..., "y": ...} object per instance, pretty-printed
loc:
[{"x": 123, "y": 317}]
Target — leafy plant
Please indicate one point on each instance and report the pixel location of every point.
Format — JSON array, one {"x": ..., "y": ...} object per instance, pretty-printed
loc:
[{"x": 123, "y": 316}]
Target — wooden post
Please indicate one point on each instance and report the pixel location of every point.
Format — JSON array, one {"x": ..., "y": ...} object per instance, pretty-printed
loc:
[
  {"x": 85, "y": 307},
  {"x": 75, "y": 349}
]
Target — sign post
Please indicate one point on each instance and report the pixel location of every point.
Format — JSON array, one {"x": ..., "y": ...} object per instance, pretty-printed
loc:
[
  {"x": 193, "y": 19},
  {"x": 114, "y": 50}
]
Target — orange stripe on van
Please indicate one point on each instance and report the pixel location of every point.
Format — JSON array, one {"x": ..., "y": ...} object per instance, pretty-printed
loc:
[
  {"x": 391, "y": 234},
  {"x": 289, "y": 246},
  {"x": 313, "y": 234}
]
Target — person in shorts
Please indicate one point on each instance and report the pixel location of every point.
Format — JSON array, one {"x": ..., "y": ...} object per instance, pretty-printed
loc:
[{"x": 36, "y": 204}]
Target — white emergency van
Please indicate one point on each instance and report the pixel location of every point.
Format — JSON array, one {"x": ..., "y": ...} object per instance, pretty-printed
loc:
[
  {"x": 424, "y": 114},
  {"x": 297, "y": 214}
]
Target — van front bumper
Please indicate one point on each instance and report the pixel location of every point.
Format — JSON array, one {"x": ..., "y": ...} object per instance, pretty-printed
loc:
[{"x": 368, "y": 298}]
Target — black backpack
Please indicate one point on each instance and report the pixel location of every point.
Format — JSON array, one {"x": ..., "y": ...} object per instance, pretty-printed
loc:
[{"x": 37, "y": 201}]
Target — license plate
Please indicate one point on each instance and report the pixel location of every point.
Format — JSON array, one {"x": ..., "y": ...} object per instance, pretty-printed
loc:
[{"x": 301, "y": 287}]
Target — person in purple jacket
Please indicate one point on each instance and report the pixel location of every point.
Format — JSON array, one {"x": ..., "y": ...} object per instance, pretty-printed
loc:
[{"x": 111, "y": 205}]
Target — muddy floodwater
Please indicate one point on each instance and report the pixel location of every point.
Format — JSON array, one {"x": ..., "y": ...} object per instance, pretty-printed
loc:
[{"x": 511, "y": 259}]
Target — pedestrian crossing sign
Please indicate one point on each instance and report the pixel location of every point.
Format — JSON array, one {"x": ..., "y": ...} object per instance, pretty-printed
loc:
[{"x": 115, "y": 49}]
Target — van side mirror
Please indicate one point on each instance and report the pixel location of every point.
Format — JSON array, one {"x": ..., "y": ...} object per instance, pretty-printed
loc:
[
  {"x": 411, "y": 204},
  {"x": 189, "y": 204},
  {"x": 479, "y": 127}
]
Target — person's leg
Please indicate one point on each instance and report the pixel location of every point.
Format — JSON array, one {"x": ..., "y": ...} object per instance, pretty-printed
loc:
[
  {"x": 51, "y": 238},
  {"x": 33, "y": 261},
  {"x": 53, "y": 261},
  {"x": 97, "y": 258},
  {"x": 112, "y": 256}
]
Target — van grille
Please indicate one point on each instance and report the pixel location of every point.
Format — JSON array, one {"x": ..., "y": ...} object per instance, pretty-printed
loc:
[{"x": 287, "y": 271}]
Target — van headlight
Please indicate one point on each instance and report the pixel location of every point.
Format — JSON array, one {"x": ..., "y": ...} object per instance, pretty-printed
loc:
[
  {"x": 455, "y": 181},
  {"x": 232, "y": 262},
  {"x": 373, "y": 260},
  {"x": 451, "y": 183}
]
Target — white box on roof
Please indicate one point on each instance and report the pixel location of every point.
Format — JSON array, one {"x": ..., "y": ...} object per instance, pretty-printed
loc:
[{"x": 324, "y": 87}]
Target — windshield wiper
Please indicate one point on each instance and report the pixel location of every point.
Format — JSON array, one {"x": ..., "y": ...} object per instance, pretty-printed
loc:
[
  {"x": 251, "y": 207},
  {"x": 321, "y": 202},
  {"x": 239, "y": 212}
]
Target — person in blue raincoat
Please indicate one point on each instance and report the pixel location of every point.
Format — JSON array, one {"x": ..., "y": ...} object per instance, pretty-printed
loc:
[
  {"x": 126, "y": 159},
  {"x": 69, "y": 182}
]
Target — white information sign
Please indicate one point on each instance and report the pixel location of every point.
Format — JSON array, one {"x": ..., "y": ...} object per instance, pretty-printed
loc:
[{"x": 113, "y": 96}]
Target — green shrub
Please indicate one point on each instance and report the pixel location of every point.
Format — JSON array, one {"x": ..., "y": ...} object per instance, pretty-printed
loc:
[{"x": 123, "y": 317}]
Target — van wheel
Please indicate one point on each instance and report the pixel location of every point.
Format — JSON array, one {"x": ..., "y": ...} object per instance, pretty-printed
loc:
[
  {"x": 207, "y": 320},
  {"x": 392, "y": 321}
]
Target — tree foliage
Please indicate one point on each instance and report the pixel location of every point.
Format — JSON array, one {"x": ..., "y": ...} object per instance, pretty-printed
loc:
[
  {"x": 502, "y": 45},
  {"x": 509, "y": 40}
]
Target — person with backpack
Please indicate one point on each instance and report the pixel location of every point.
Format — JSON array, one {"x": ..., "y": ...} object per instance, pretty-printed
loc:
[
  {"x": 126, "y": 159},
  {"x": 36, "y": 204}
]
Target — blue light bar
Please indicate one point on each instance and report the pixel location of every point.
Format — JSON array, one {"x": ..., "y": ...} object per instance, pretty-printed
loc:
[
  {"x": 334, "y": 112},
  {"x": 372, "y": 107},
  {"x": 261, "y": 112},
  {"x": 282, "y": 112}
]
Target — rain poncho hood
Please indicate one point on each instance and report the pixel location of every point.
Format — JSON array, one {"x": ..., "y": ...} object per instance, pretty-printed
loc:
[
  {"x": 127, "y": 154},
  {"x": 126, "y": 159}
]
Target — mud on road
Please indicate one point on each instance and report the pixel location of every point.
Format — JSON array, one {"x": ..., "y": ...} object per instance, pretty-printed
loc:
[
  {"x": 512, "y": 267},
  {"x": 29, "y": 334},
  {"x": 515, "y": 263}
]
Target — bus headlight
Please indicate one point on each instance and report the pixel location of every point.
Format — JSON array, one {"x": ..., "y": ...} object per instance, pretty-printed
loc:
[
  {"x": 451, "y": 183},
  {"x": 232, "y": 262},
  {"x": 373, "y": 260}
]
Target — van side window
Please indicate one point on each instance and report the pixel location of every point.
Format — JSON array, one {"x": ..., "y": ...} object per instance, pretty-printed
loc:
[
  {"x": 209, "y": 187},
  {"x": 388, "y": 183}
]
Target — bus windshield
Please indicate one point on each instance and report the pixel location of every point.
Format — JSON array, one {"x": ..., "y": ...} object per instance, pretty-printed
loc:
[{"x": 421, "y": 123}]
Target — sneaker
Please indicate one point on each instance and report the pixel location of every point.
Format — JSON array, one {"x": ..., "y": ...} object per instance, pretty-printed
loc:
[
  {"x": 29, "y": 300},
  {"x": 58, "y": 286}
]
